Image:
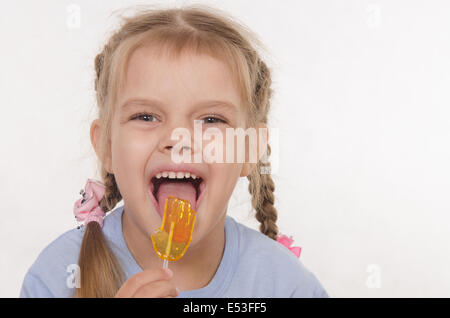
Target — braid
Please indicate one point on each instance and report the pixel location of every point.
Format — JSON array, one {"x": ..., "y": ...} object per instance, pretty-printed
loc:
[
  {"x": 261, "y": 185},
  {"x": 101, "y": 274},
  {"x": 262, "y": 188},
  {"x": 98, "y": 264},
  {"x": 112, "y": 193}
]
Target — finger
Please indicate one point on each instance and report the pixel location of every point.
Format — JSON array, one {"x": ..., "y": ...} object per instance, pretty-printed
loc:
[
  {"x": 138, "y": 280},
  {"x": 161, "y": 288}
]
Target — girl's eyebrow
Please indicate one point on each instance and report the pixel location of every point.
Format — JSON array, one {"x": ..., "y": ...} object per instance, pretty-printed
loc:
[
  {"x": 157, "y": 103},
  {"x": 141, "y": 102}
]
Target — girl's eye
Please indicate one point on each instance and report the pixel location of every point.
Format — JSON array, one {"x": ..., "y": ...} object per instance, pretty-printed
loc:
[
  {"x": 145, "y": 117},
  {"x": 212, "y": 120}
]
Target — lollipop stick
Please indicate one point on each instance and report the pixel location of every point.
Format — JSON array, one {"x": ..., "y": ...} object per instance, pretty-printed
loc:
[{"x": 169, "y": 246}]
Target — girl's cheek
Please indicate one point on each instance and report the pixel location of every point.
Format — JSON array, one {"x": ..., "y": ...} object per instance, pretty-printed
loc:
[
  {"x": 137, "y": 140},
  {"x": 133, "y": 150}
]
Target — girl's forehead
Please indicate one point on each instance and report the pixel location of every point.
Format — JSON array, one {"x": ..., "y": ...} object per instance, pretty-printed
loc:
[
  {"x": 152, "y": 74},
  {"x": 148, "y": 64}
]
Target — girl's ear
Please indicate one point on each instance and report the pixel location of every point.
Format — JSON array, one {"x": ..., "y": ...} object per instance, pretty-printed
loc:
[
  {"x": 262, "y": 141},
  {"x": 95, "y": 141}
]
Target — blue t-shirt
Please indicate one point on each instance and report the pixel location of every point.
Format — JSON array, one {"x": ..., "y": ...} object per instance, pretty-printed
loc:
[{"x": 252, "y": 265}]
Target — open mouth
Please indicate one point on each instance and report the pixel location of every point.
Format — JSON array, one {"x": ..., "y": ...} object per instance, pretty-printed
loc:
[{"x": 178, "y": 184}]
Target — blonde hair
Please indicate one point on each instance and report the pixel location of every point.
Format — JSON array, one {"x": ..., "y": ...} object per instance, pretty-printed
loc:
[{"x": 203, "y": 30}]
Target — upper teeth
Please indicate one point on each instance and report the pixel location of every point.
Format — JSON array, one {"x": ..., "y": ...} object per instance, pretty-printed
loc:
[{"x": 175, "y": 175}]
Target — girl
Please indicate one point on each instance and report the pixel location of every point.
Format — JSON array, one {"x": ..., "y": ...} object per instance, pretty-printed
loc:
[{"x": 162, "y": 70}]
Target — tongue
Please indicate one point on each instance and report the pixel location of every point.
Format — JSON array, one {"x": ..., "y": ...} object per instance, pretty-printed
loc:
[{"x": 181, "y": 190}]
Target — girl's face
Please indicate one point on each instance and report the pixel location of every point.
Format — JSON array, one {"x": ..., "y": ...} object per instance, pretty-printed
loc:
[{"x": 159, "y": 95}]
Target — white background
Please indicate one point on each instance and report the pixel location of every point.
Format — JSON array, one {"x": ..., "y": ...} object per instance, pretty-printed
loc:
[{"x": 361, "y": 102}]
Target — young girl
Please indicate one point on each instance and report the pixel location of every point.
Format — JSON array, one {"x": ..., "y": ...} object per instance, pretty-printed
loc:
[{"x": 162, "y": 70}]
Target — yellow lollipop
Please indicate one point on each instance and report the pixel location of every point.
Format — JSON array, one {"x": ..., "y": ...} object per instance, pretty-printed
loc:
[{"x": 172, "y": 239}]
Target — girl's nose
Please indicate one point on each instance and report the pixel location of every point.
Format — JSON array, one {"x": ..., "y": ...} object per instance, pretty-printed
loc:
[
  {"x": 167, "y": 144},
  {"x": 179, "y": 152},
  {"x": 182, "y": 148},
  {"x": 181, "y": 140}
]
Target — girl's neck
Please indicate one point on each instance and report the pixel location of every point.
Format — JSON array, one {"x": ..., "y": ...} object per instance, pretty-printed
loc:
[{"x": 194, "y": 270}]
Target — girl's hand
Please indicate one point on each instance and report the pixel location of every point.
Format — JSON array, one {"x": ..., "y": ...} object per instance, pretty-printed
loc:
[{"x": 152, "y": 283}]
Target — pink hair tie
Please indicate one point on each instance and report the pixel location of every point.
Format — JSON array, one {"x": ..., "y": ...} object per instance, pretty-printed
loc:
[
  {"x": 287, "y": 241},
  {"x": 87, "y": 209}
]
